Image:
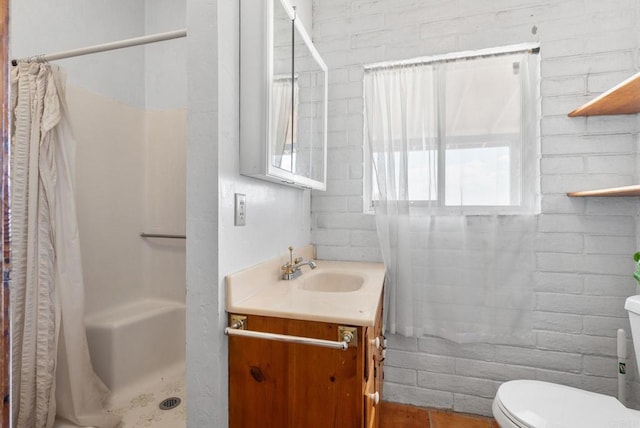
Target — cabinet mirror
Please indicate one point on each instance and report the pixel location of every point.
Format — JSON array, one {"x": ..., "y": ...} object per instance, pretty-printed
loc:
[
  {"x": 284, "y": 90},
  {"x": 283, "y": 98},
  {"x": 309, "y": 109}
]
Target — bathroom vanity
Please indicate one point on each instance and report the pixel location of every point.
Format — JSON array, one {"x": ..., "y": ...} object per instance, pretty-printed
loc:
[{"x": 291, "y": 371}]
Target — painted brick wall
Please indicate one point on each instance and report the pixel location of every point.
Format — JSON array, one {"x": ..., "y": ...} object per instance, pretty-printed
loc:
[{"x": 583, "y": 246}]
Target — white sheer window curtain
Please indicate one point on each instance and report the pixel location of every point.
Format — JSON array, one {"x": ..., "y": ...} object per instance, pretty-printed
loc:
[{"x": 453, "y": 150}]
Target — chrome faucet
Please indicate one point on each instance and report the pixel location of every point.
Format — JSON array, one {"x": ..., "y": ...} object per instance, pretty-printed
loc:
[{"x": 292, "y": 267}]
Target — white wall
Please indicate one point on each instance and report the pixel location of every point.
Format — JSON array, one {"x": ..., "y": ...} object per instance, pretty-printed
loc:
[
  {"x": 165, "y": 62},
  {"x": 206, "y": 348},
  {"x": 584, "y": 246},
  {"x": 277, "y": 216},
  {"x": 40, "y": 27}
]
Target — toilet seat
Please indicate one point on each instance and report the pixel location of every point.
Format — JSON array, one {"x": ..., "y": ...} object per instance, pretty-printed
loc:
[{"x": 537, "y": 404}]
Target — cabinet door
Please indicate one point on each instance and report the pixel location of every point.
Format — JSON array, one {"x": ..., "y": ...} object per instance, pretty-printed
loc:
[
  {"x": 283, "y": 385},
  {"x": 257, "y": 383}
]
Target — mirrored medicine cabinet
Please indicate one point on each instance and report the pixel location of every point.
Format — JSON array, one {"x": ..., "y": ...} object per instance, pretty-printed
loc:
[{"x": 283, "y": 97}]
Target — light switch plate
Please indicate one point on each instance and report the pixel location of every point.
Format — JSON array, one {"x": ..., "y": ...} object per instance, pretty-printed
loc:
[{"x": 240, "y": 209}]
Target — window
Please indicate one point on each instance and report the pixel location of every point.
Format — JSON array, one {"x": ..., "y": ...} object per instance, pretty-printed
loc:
[{"x": 457, "y": 131}]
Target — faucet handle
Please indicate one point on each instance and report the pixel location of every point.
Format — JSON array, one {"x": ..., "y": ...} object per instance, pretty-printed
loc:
[
  {"x": 297, "y": 260},
  {"x": 286, "y": 267},
  {"x": 291, "y": 255}
]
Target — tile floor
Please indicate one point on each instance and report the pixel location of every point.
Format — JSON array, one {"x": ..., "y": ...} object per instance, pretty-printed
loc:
[
  {"x": 141, "y": 410},
  {"x": 395, "y": 415}
]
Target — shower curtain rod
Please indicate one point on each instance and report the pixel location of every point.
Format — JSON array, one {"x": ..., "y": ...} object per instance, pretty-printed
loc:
[
  {"x": 136, "y": 41},
  {"x": 533, "y": 48}
]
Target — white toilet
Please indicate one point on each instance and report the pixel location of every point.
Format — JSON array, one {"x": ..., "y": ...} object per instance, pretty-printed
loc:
[{"x": 536, "y": 404}]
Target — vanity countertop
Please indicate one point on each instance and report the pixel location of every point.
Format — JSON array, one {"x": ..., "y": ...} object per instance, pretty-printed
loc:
[{"x": 259, "y": 290}]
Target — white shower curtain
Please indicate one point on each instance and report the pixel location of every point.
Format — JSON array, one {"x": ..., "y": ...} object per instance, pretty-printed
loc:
[
  {"x": 466, "y": 278},
  {"x": 51, "y": 366}
]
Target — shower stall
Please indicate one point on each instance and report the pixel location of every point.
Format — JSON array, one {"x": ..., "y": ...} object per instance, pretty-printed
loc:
[{"x": 127, "y": 108}]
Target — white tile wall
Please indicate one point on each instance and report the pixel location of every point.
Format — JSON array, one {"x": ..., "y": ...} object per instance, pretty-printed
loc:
[
  {"x": 108, "y": 199},
  {"x": 583, "y": 246}
]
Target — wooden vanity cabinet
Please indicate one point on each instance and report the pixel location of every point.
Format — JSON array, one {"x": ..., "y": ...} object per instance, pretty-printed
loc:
[{"x": 284, "y": 385}]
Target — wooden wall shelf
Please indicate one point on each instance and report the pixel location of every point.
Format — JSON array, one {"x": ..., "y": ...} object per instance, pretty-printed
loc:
[
  {"x": 621, "y": 99},
  {"x": 613, "y": 191}
]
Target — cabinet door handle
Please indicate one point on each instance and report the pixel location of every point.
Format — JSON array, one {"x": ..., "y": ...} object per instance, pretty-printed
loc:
[
  {"x": 375, "y": 397},
  {"x": 376, "y": 342}
]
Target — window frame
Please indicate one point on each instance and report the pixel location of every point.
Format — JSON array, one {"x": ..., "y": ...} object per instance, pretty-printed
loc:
[{"x": 529, "y": 147}]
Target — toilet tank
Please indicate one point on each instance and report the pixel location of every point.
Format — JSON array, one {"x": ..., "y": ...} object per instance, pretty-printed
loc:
[{"x": 632, "y": 305}]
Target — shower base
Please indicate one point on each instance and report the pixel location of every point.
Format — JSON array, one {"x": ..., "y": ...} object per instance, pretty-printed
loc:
[
  {"x": 142, "y": 409},
  {"x": 138, "y": 350}
]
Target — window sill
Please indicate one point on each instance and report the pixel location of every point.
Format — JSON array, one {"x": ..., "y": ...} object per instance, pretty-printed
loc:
[{"x": 424, "y": 209}]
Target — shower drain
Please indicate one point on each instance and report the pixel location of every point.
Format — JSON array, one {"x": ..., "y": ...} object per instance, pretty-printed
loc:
[{"x": 169, "y": 403}]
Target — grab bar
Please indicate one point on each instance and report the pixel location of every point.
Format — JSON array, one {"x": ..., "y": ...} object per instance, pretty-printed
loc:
[
  {"x": 235, "y": 331},
  {"x": 162, "y": 235}
]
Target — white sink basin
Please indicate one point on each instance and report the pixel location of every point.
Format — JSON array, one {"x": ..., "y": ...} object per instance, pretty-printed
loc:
[
  {"x": 332, "y": 282},
  {"x": 335, "y": 292}
]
